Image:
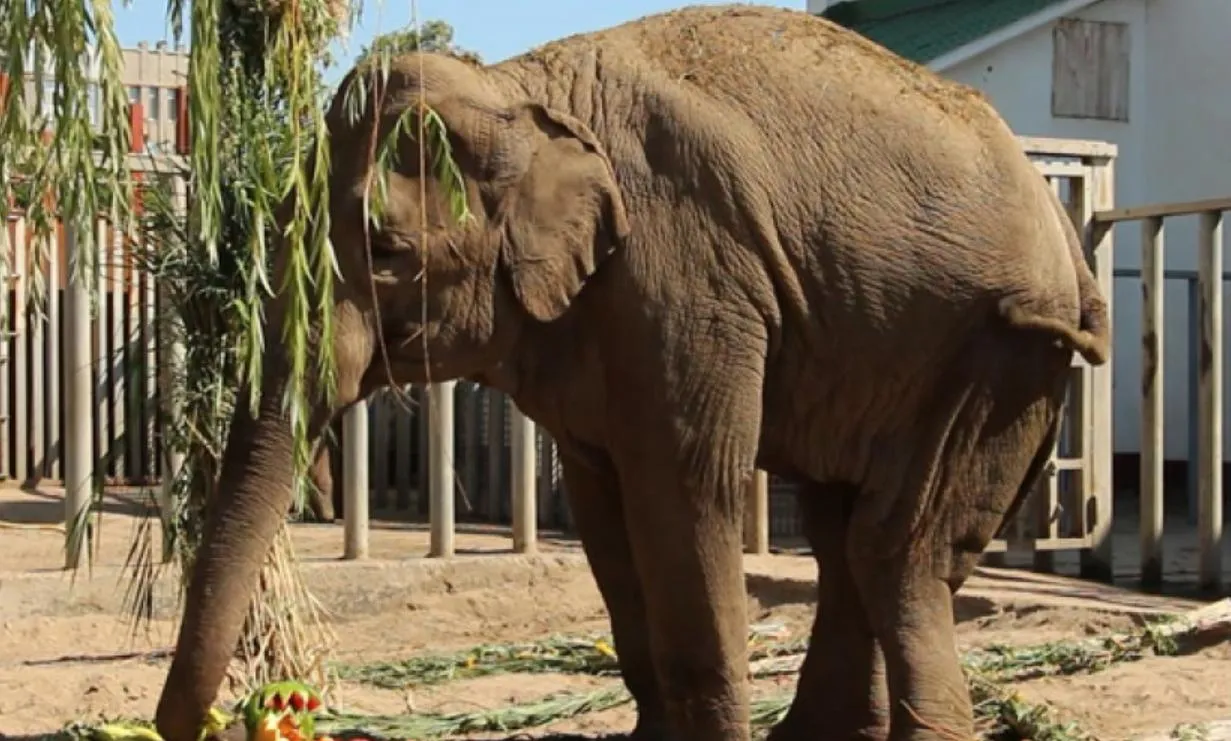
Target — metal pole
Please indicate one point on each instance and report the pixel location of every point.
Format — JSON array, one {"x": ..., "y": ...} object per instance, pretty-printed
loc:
[
  {"x": 355, "y": 489},
  {"x": 756, "y": 514},
  {"x": 440, "y": 452},
  {"x": 172, "y": 341},
  {"x": 78, "y": 408},
  {"x": 525, "y": 516}
]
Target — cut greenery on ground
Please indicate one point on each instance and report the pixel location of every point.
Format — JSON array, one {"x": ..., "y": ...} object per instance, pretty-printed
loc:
[{"x": 1001, "y": 714}]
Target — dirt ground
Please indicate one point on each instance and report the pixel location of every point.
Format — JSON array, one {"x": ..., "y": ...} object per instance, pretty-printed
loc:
[{"x": 68, "y": 654}]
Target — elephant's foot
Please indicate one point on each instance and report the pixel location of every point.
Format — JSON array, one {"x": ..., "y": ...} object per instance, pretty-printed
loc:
[
  {"x": 651, "y": 728},
  {"x": 928, "y": 696},
  {"x": 932, "y": 721},
  {"x": 842, "y": 693},
  {"x": 234, "y": 732},
  {"x": 815, "y": 719},
  {"x": 835, "y": 728}
]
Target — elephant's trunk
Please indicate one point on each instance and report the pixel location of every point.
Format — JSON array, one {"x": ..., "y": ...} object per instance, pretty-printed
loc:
[{"x": 252, "y": 499}]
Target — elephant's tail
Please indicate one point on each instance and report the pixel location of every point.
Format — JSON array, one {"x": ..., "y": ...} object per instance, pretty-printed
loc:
[{"x": 1091, "y": 338}]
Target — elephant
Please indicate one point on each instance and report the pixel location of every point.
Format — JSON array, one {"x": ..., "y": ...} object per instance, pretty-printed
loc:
[{"x": 703, "y": 242}]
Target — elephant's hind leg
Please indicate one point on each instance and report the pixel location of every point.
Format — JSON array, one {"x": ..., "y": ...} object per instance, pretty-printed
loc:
[
  {"x": 841, "y": 693},
  {"x": 909, "y": 548},
  {"x": 594, "y": 499}
]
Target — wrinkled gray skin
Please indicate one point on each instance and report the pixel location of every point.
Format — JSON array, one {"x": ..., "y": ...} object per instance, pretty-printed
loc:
[{"x": 702, "y": 242}]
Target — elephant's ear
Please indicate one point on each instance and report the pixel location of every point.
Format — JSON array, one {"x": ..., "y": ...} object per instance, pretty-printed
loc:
[{"x": 562, "y": 216}]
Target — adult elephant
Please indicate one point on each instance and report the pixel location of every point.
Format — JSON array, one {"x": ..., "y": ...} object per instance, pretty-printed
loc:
[{"x": 704, "y": 241}]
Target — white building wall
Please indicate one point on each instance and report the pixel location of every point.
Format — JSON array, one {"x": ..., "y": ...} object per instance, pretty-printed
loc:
[{"x": 1173, "y": 147}]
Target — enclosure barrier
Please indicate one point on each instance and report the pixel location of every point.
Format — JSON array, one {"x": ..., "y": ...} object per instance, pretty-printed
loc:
[
  {"x": 455, "y": 451},
  {"x": 1205, "y": 378},
  {"x": 79, "y": 391}
]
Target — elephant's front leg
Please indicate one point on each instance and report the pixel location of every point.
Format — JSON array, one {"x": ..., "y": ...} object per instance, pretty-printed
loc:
[
  {"x": 594, "y": 500},
  {"x": 684, "y": 455}
]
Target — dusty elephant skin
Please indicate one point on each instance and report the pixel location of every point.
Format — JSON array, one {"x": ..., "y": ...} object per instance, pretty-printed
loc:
[{"x": 704, "y": 241}]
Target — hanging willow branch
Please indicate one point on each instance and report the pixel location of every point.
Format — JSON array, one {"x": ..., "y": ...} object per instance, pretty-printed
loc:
[
  {"x": 72, "y": 171},
  {"x": 257, "y": 176}
]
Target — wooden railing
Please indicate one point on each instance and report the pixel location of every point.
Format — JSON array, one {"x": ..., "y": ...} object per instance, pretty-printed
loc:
[
  {"x": 1084, "y": 524},
  {"x": 1208, "y": 349}
]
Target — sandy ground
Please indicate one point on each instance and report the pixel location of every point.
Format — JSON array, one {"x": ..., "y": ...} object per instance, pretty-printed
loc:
[{"x": 67, "y": 653}]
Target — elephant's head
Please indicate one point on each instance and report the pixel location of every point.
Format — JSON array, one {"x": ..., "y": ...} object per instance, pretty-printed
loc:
[
  {"x": 544, "y": 213},
  {"x": 446, "y": 298}
]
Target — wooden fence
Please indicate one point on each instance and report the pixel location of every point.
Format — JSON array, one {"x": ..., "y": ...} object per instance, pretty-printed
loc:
[
  {"x": 454, "y": 451},
  {"x": 1207, "y": 350}
]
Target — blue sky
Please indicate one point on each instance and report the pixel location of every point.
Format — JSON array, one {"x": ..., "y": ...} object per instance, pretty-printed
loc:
[{"x": 496, "y": 29}]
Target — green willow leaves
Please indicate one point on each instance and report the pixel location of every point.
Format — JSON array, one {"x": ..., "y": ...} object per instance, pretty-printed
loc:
[
  {"x": 257, "y": 178},
  {"x": 70, "y": 171}
]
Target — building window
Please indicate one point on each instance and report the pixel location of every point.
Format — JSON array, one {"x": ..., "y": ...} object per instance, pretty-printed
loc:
[
  {"x": 152, "y": 110},
  {"x": 134, "y": 94},
  {"x": 173, "y": 104},
  {"x": 1090, "y": 65}
]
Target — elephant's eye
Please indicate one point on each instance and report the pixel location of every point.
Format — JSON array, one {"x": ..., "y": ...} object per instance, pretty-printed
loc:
[{"x": 390, "y": 246}]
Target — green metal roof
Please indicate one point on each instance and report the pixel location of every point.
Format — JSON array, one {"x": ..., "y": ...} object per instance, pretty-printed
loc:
[{"x": 921, "y": 30}]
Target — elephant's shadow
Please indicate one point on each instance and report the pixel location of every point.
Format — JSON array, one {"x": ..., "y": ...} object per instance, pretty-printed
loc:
[
  {"x": 521, "y": 737},
  {"x": 774, "y": 591}
]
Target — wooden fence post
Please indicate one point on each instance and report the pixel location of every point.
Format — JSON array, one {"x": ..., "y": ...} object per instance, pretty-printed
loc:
[
  {"x": 756, "y": 514},
  {"x": 355, "y": 485},
  {"x": 525, "y": 504},
  {"x": 79, "y": 412},
  {"x": 1209, "y": 516},
  {"x": 1099, "y": 195},
  {"x": 1152, "y": 411},
  {"x": 440, "y": 450}
]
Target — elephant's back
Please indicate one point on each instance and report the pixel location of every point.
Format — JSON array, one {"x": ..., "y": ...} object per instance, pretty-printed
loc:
[
  {"x": 753, "y": 55},
  {"x": 885, "y": 185}
]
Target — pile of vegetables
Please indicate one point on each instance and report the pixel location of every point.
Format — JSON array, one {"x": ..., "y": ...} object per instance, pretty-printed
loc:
[{"x": 279, "y": 711}]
